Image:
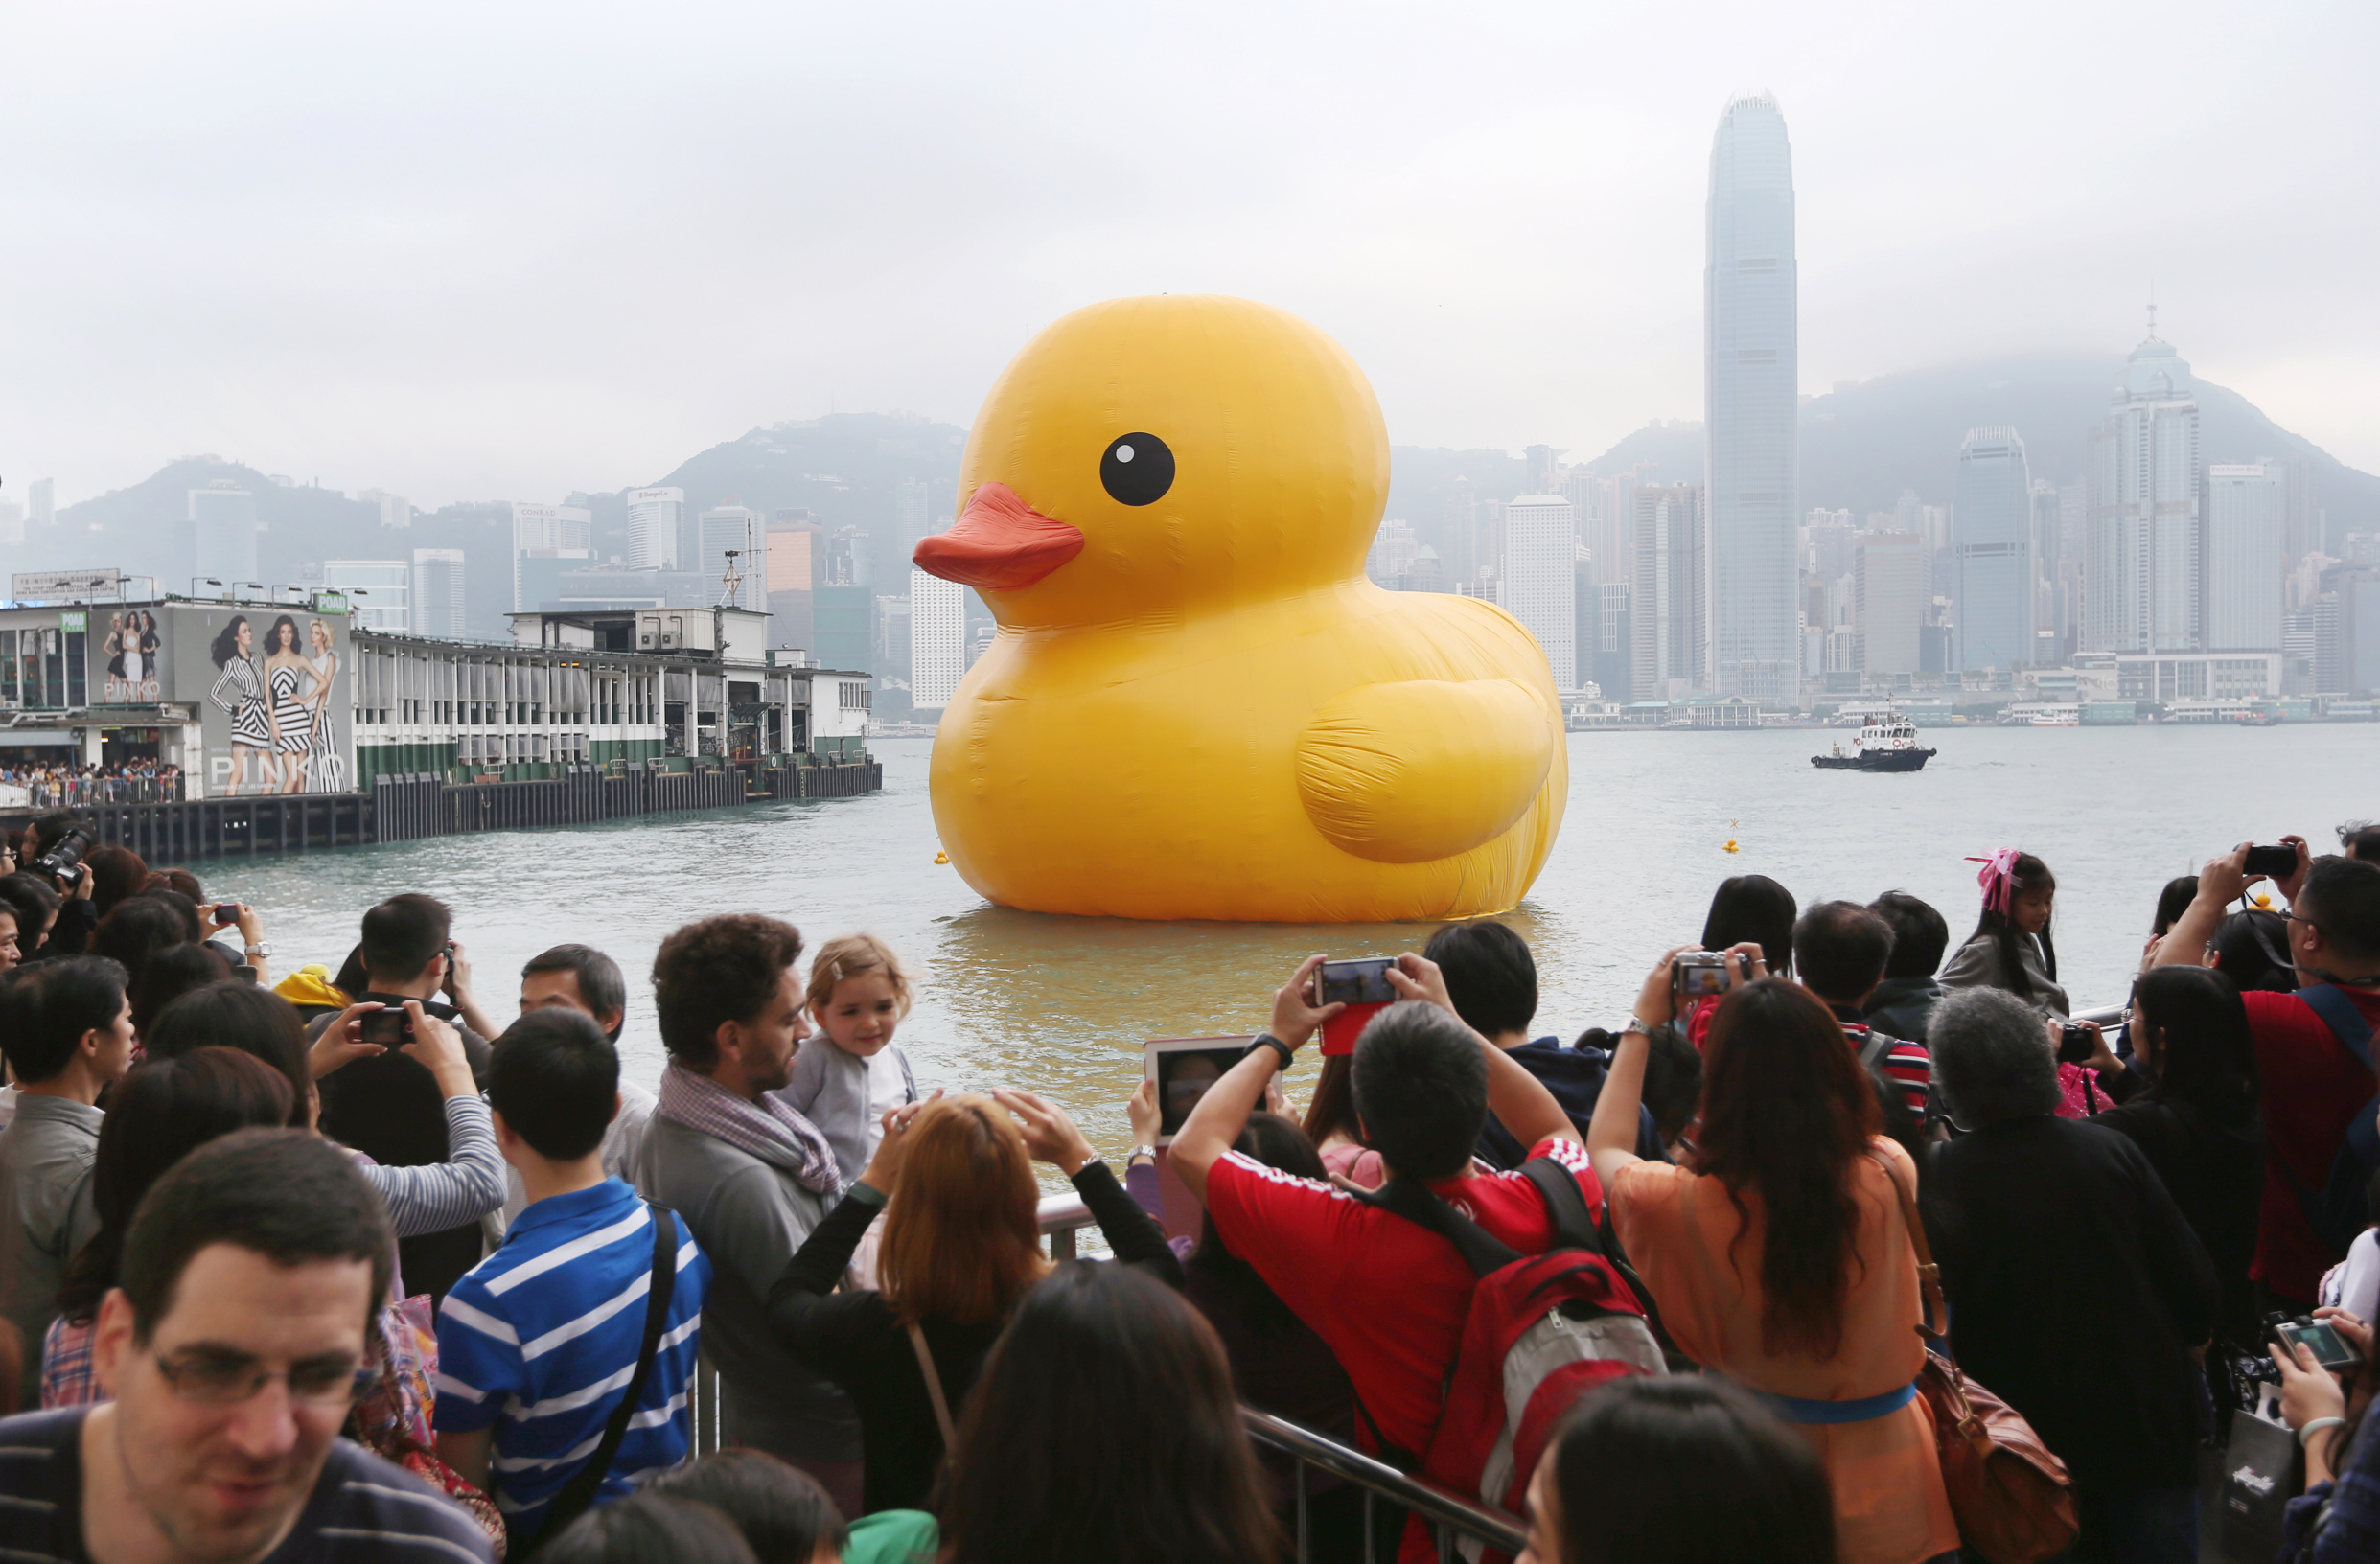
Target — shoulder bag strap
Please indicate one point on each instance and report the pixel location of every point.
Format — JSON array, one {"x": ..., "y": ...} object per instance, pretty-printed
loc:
[
  {"x": 580, "y": 1492},
  {"x": 2336, "y": 1011},
  {"x": 934, "y": 1389},
  {"x": 1929, "y": 1274}
]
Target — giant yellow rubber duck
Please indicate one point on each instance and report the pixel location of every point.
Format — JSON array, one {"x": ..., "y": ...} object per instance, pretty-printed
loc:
[{"x": 1196, "y": 705}]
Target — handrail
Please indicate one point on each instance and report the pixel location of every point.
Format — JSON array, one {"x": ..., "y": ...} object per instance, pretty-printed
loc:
[
  {"x": 1061, "y": 1216},
  {"x": 1451, "y": 1514}
]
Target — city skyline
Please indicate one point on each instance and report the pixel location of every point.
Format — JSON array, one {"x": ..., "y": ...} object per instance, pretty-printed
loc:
[{"x": 332, "y": 301}]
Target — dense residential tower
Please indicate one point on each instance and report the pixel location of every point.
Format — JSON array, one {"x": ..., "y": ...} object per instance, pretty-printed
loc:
[
  {"x": 437, "y": 602},
  {"x": 2247, "y": 555},
  {"x": 1668, "y": 561},
  {"x": 1538, "y": 582},
  {"x": 2146, "y": 536},
  {"x": 1749, "y": 380},
  {"x": 937, "y": 639},
  {"x": 1991, "y": 594}
]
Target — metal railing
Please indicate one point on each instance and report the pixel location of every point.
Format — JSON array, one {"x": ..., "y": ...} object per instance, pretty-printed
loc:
[
  {"x": 1452, "y": 1519},
  {"x": 76, "y": 792}
]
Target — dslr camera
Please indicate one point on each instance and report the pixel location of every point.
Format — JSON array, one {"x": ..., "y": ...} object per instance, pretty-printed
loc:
[{"x": 63, "y": 861}]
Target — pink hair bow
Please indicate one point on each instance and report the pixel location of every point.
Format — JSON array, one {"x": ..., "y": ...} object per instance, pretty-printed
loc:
[{"x": 1999, "y": 880}]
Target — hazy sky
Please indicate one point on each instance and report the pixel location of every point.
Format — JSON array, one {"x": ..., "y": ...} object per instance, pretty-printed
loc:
[{"x": 500, "y": 251}]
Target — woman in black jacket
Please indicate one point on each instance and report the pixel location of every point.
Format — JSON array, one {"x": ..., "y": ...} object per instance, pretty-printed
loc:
[
  {"x": 2198, "y": 1123},
  {"x": 962, "y": 1244}
]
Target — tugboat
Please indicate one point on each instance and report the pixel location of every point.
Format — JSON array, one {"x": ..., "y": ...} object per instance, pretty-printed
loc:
[{"x": 1889, "y": 742}]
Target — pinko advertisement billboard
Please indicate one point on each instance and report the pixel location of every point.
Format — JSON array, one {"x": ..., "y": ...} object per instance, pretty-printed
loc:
[{"x": 270, "y": 687}]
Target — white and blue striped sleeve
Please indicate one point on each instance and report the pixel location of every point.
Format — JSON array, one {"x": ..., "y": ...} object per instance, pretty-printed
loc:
[{"x": 480, "y": 1364}]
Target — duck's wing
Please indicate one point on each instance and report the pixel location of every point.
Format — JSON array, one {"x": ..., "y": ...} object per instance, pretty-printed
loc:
[{"x": 1424, "y": 769}]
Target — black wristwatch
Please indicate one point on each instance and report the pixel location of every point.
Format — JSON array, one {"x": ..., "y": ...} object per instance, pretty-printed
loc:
[{"x": 1267, "y": 1040}]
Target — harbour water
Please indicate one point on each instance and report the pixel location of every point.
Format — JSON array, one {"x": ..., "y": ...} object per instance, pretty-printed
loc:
[{"x": 1061, "y": 1005}]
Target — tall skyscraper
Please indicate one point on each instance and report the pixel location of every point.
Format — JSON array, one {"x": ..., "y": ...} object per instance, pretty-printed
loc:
[
  {"x": 1539, "y": 581},
  {"x": 380, "y": 589},
  {"x": 2247, "y": 555},
  {"x": 739, "y": 528},
  {"x": 223, "y": 521},
  {"x": 438, "y": 593},
  {"x": 1895, "y": 578},
  {"x": 548, "y": 540},
  {"x": 2146, "y": 534},
  {"x": 11, "y": 522},
  {"x": 1992, "y": 555},
  {"x": 937, "y": 639},
  {"x": 793, "y": 578},
  {"x": 656, "y": 520},
  {"x": 1750, "y": 383},
  {"x": 1668, "y": 556},
  {"x": 41, "y": 502}
]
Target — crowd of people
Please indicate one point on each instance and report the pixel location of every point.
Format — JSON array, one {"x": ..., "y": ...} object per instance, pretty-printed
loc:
[
  {"x": 60, "y": 786},
  {"x": 357, "y": 1264}
]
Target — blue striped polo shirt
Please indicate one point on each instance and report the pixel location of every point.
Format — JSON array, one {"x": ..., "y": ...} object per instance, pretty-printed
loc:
[{"x": 540, "y": 1339}]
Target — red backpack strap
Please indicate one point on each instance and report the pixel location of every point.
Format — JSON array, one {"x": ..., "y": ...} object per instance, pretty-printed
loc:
[{"x": 1481, "y": 1250}]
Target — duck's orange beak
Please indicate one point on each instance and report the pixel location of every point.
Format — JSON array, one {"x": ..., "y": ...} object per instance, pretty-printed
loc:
[{"x": 999, "y": 544}]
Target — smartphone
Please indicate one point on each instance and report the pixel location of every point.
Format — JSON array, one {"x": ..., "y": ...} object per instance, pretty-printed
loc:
[
  {"x": 2274, "y": 861},
  {"x": 1360, "y": 982},
  {"x": 387, "y": 1028},
  {"x": 2331, "y": 1349},
  {"x": 1697, "y": 973},
  {"x": 2075, "y": 1044},
  {"x": 227, "y": 912}
]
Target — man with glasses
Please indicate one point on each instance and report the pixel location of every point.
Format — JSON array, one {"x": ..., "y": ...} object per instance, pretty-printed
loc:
[
  {"x": 2312, "y": 1046},
  {"x": 235, "y": 1346}
]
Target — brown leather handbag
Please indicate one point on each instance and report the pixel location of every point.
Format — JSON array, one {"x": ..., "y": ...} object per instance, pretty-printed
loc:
[{"x": 2010, "y": 1495}]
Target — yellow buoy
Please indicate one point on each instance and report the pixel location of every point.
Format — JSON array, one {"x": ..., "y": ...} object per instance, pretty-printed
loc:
[
  {"x": 940, "y": 857},
  {"x": 1730, "y": 847}
]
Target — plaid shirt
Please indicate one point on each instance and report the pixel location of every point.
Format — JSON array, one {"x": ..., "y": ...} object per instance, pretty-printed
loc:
[{"x": 66, "y": 1365}]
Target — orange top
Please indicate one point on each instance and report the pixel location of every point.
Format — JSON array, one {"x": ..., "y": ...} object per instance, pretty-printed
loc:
[{"x": 1677, "y": 1226}]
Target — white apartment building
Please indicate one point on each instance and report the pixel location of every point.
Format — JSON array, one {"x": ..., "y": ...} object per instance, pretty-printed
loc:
[
  {"x": 1538, "y": 582},
  {"x": 937, "y": 639},
  {"x": 657, "y": 520}
]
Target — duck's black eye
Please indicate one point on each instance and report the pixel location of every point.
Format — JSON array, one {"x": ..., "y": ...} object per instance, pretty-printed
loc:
[{"x": 1137, "y": 470}]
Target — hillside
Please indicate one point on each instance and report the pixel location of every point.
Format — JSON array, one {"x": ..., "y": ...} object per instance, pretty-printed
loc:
[
  {"x": 896, "y": 476},
  {"x": 1863, "y": 444}
]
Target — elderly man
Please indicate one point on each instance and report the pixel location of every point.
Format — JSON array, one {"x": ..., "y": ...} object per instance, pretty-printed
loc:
[{"x": 2078, "y": 1291}]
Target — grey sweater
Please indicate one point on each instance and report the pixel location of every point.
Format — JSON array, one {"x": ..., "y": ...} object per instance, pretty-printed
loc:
[{"x": 829, "y": 1088}]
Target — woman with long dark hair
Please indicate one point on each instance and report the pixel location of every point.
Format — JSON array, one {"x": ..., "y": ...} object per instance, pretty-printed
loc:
[
  {"x": 2011, "y": 948},
  {"x": 240, "y": 690},
  {"x": 961, "y": 1243},
  {"x": 2198, "y": 1123},
  {"x": 1685, "y": 1470},
  {"x": 159, "y": 1111},
  {"x": 286, "y": 669},
  {"x": 1104, "y": 1431},
  {"x": 1779, "y": 1256},
  {"x": 1746, "y": 909},
  {"x": 1334, "y": 1130}
]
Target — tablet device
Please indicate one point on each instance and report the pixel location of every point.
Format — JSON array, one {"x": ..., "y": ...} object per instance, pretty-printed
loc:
[{"x": 1182, "y": 1069}]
